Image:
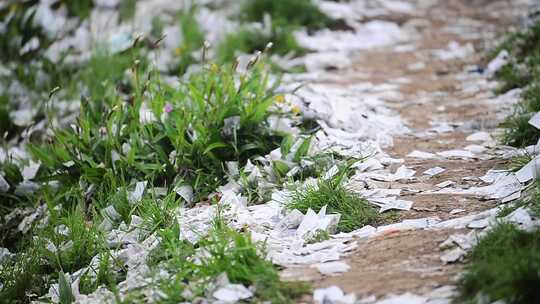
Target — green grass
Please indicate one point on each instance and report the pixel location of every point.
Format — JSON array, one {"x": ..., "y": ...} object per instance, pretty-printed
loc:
[
  {"x": 127, "y": 9},
  {"x": 188, "y": 119},
  {"x": 192, "y": 39},
  {"x": 19, "y": 29},
  {"x": 517, "y": 130},
  {"x": 522, "y": 72},
  {"x": 229, "y": 252},
  {"x": 286, "y": 13},
  {"x": 355, "y": 211},
  {"x": 504, "y": 265},
  {"x": 286, "y": 17},
  {"x": 251, "y": 40}
]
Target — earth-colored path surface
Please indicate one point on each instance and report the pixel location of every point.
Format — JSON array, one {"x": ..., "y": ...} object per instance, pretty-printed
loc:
[{"x": 443, "y": 100}]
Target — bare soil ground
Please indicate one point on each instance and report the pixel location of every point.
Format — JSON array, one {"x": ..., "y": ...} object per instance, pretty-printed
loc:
[{"x": 398, "y": 262}]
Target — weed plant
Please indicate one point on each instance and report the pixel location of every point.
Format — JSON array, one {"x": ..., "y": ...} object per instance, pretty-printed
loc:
[
  {"x": 217, "y": 116},
  {"x": 355, "y": 211}
]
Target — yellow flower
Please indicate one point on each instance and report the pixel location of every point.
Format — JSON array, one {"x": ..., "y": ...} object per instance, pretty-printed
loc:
[
  {"x": 214, "y": 67},
  {"x": 295, "y": 109},
  {"x": 280, "y": 99},
  {"x": 178, "y": 51}
]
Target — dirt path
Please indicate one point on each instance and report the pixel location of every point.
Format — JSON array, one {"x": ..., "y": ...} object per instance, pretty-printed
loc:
[{"x": 441, "y": 108}]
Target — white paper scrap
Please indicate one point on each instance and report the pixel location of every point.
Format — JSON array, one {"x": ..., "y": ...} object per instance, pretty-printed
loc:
[
  {"x": 4, "y": 186},
  {"x": 453, "y": 255},
  {"x": 186, "y": 192},
  {"x": 332, "y": 294},
  {"x": 421, "y": 155},
  {"x": 404, "y": 173},
  {"x": 457, "y": 153},
  {"x": 332, "y": 268},
  {"x": 406, "y": 298},
  {"x": 527, "y": 172},
  {"x": 479, "y": 136},
  {"x": 136, "y": 195},
  {"x": 535, "y": 120},
  {"x": 445, "y": 184},
  {"x": 232, "y": 293},
  {"x": 396, "y": 204},
  {"x": 434, "y": 171}
]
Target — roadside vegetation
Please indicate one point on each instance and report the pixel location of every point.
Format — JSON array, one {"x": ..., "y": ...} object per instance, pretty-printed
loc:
[
  {"x": 522, "y": 71},
  {"x": 505, "y": 264},
  {"x": 112, "y": 150}
]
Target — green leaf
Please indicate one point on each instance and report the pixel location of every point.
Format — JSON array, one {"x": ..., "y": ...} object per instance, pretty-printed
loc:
[
  {"x": 303, "y": 149},
  {"x": 43, "y": 154},
  {"x": 64, "y": 289},
  {"x": 249, "y": 146},
  {"x": 286, "y": 144},
  {"x": 215, "y": 145},
  {"x": 281, "y": 168}
]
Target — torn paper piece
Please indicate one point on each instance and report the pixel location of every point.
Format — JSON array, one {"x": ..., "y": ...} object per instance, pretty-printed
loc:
[
  {"x": 421, "y": 223},
  {"x": 453, "y": 255},
  {"x": 406, "y": 298},
  {"x": 454, "y": 51},
  {"x": 404, "y": 173},
  {"x": 291, "y": 221},
  {"x": 332, "y": 268},
  {"x": 522, "y": 218},
  {"x": 497, "y": 63},
  {"x": 4, "y": 186},
  {"x": 479, "y": 136},
  {"x": 29, "y": 171},
  {"x": 527, "y": 172},
  {"x": 232, "y": 293},
  {"x": 535, "y": 120},
  {"x": 396, "y": 204},
  {"x": 462, "y": 154},
  {"x": 331, "y": 173},
  {"x": 479, "y": 224},
  {"x": 445, "y": 184},
  {"x": 493, "y": 175},
  {"x": 332, "y": 294},
  {"x": 511, "y": 197},
  {"x": 464, "y": 241},
  {"x": 185, "y": 192},
  {"x": 456, "y": 211},
  {"x": 312, "y": 222},
  {"x": 136, "y": 195},
  {"x": 368, "y": 165},
  {"x": 421, "y": 155},
  {"x": 434, "y": 171}
]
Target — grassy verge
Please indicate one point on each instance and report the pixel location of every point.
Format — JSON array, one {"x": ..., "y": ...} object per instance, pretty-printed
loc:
[
  {"x": 522, "y": 72},
  {"x": 285, "y": 18},
  {"x": 504, "y": 266}
]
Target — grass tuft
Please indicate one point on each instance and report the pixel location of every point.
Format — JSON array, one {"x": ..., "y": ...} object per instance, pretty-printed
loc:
[
  {"x": 286, "y": 13},
  {"x": 355, "y": 211}
]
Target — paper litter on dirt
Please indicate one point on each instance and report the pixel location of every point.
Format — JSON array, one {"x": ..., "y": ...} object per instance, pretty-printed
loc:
[
  {"x": 434, "y": 171},
  {"x": 333, "y": 294},
  {"x": 332, "y": 268}
]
